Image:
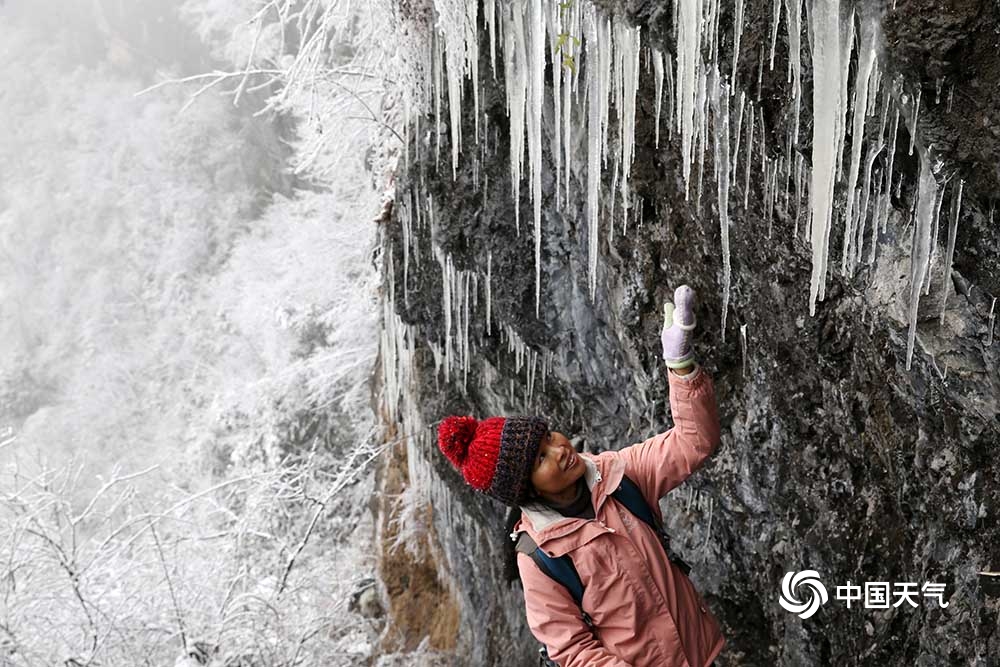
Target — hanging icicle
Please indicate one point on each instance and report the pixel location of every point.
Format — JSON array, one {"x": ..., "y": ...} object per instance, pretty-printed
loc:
[
  {"x": 927, "y": 193},
  {"x": 688, "y": 67},
  {"x": 720, "y": 112},
  {"x": 956, "y": 212},
  {"x": 827, "y": 109},
  {"x": 866, "y": 58}
]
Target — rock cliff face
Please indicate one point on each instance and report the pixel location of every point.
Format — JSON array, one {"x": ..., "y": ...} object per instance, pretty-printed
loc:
[{"x": 834, "y": 456}]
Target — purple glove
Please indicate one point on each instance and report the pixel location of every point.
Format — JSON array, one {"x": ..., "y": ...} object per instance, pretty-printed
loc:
[{"x": 678, "y": 322}]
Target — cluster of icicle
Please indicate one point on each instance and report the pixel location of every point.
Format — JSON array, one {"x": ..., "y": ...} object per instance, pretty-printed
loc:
[{"x": 700, "y": 99}]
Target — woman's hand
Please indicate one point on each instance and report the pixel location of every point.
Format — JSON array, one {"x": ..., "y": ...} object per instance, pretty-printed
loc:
[{"x": 678, "y": 323}]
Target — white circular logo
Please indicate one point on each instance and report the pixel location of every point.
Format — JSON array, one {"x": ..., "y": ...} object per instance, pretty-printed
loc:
[{"x": 815, "y": 588}]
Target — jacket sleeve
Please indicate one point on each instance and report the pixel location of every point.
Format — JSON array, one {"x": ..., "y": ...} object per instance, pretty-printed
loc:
[
  {"x": 664, "y": 461},
  {"x": 555, "y": 620}
]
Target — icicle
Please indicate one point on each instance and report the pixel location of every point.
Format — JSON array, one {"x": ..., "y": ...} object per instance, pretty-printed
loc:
[
  {"x": 990, "y": 321},
  {"x": 702, "y": 116},
  {"x": 627, "y": 48},
  {"x": 891, "y": 153},
  {"x": 596, "y": 105},
  {"x": 573, "y": 24},
  {"x": 604, "y": 53},
  {"x": 776, "y": 18},
  {"x": 516, "y": 79},
  {"x": 793, "y": 9},
  {"x": 438, "y": 75},
  {"x": 713, "y": 25},
  {"x": 720, "y": 110},
  {"x": 913, "y": 122},
  {"x": 737, "y": 35},
  {"x": 746, "y": 185},
  {"x": 827, "y": 107},
  {"x": 735, "y": 155},
  {"x": 847, "y": 46},
  {"x": 658, "y": 75},
  {"x": 611, "y": 210},
  {"x": 489, "y": 9},
  {"x": 772, "y": 193},
  {"x": 927, "y": 191},
  {"x": 688, "y": 64},
  {"x": 873, "y": 152},
  {"x": 949, "y": 256},
  {"x": 763, "y": 143},
  {"x": 536, "y": 89},
  {"x": 743, "y": 346},
  {"x": 668, "y": 66},
  {"x": 760, "y": 71},
  {"x": 489, "y": 292},
  {"x": 555, "y": 28},
  {"x": 799, "y": 164},
  {"x": 934, "y": 234},
  {"x": 866, "y": 57}
]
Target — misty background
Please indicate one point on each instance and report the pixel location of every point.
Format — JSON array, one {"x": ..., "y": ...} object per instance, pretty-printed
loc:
[{"x": 187, "y": 330}]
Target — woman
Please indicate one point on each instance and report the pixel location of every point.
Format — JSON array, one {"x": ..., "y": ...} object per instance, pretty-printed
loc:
[{"x": 643, "y": 610}]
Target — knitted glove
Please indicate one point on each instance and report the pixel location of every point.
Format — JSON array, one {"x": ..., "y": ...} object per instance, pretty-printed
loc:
[{"x": 678, "y": 322}]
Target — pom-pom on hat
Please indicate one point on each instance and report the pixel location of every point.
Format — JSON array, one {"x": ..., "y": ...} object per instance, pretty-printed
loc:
[{"x": 495, "y": 455}]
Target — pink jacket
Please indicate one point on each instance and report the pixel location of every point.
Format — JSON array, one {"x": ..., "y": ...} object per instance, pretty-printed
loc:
[{"x": 645, "y": 611}]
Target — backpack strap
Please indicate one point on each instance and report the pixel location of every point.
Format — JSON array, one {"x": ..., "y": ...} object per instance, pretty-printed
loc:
[
  {"x": 628, "y": 494},
  {"x": 560, "y": 568}
]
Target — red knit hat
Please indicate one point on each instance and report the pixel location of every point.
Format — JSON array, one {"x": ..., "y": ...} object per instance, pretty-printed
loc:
[{"x": 496, "y": 455}]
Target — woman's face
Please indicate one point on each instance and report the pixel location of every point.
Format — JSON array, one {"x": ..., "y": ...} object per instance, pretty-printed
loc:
[{"x": 557, "y": 465}]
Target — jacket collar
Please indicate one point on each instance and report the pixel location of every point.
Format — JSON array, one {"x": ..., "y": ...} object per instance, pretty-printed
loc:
[{"x": 603, "y": 475}]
